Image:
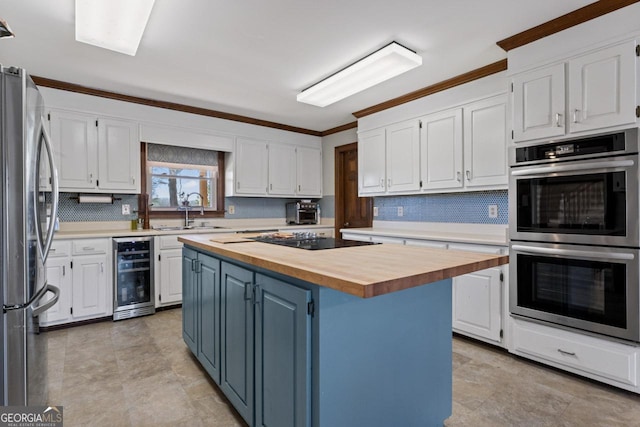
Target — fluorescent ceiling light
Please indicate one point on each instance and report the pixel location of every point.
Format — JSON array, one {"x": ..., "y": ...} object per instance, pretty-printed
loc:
[
  {"x": 384, "y": 64},
  {"x": 112, "y": 24}
]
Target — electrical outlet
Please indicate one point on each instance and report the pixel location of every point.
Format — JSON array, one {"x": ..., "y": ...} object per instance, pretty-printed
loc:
[
  {"x": 493, "y": 211},
  {"x": 375, "y": 211},
  {"x": 231, "y": 209},
  {"x": 400, "y": 211},
  {"x": 126, "y": 209}
]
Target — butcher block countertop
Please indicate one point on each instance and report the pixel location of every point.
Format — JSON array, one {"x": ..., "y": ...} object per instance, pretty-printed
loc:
[{"x": 364, "y": 271}]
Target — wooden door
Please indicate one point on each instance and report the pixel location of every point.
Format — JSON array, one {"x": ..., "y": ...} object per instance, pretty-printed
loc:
[{"x": 351, "y": 211}]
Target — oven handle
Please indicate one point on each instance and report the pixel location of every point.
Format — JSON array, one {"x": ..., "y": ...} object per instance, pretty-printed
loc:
[
  {"x": 574, "y": 167},
  {"x": 574, "y": 253}
]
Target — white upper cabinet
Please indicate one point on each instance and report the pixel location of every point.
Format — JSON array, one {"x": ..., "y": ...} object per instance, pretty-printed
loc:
[
  {"x": 95, "y": 154},
  {"x": 602, "y": 88},
  {"x": 403, "y": 157},
  {"x": 263, "y": 168},
  {"x": 598, "y": 91},
  {"x": 372, "y": 162},
  {"x": 252, "y": 166},
  {"x": 389, "y": 159},
  {"x": 309, "y": 171},
  {"x": 282, "y": 170},
  {"x": 538, "y": 103},
  {"x": 485, "y": 143},
  {"x": 460, "y": 149},
  {"x": 118, "y": 155},
  {"x": 441, "y": 150},
  {"x": 75, "y": 142}
]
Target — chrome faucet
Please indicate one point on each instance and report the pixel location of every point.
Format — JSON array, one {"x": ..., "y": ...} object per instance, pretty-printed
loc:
[{"x": 186, "y": 206}]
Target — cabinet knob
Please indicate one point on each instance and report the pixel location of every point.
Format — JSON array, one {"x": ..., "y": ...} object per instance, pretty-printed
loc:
[
  {"x": 346, "y": 224},
  {"x": 468, "y": 175},
  {"x": 459, "y": 176},
  {"x": 575, "y": 115},
  {"x": 382, "y": 182}
]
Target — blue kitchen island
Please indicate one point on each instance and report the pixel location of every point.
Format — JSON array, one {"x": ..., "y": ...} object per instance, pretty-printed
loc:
[{"x": 357, "y": 336}]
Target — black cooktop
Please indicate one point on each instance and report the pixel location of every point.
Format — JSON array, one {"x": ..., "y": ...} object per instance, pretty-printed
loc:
[{"x": 310, "y": 243}]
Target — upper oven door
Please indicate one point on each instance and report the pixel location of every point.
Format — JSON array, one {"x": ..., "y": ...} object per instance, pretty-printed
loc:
[{"x": 592, "y": 201}]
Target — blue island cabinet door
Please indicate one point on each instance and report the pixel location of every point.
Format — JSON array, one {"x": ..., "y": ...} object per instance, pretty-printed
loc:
[
  {"x": 209, "y": 319},
  {"x": 283, "y": 354},
  {"x": 190, "y": 299},
  {"x": 236, "y": 347}
]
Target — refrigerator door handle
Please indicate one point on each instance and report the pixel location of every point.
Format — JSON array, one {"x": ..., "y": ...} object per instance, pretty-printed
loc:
[
  {"x": 37, "y": 297},
  {"x": 50, "y": 303},
  {"x": 54, "y": 193}
]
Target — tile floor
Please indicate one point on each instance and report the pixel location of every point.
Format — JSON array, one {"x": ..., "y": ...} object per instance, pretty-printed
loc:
[{"x": 139, "y": 372}]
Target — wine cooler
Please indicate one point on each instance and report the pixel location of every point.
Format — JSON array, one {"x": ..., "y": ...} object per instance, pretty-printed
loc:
[{"x": 133, "y": 277}]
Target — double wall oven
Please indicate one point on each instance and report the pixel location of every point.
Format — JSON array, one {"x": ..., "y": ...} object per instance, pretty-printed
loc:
[{"x": 575, "y": 240}]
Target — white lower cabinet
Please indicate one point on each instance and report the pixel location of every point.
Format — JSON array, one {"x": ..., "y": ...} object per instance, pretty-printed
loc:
[
  {"x": 168, "y": 271},
  {"x": 611, "y": 362},
  {"x": 81, "y": 268},
  {"x": 479, "y": 299}
]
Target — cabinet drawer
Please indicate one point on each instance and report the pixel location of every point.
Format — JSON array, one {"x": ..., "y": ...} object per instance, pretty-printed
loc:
[
  {"x": 169, "y": 242},
  {"x": 600, "y": 357},
  {"x": 425, "y": 243},
  {"x": 476, "y": 248},
  {"x": 89, "y": 246},
  {"x": 60, "y": 248}
]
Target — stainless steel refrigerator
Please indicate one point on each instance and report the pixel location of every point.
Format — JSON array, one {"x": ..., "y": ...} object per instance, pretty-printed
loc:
[{"x": 27, "y": 198}]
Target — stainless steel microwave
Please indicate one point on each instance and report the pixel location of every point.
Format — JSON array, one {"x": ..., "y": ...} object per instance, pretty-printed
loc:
[{"x": 302, "y": 212}]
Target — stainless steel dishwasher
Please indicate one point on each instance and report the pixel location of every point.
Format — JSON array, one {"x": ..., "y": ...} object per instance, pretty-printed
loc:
[{"x": 133, "y": 277}]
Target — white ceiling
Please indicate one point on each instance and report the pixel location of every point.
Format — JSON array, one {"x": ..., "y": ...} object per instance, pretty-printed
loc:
[{"x": 252, "y": 57}]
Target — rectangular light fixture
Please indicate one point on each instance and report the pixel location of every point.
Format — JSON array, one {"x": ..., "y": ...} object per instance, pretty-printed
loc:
[
  {"x": 112, "y": 24},
  {"x": 384, "y": 64}
]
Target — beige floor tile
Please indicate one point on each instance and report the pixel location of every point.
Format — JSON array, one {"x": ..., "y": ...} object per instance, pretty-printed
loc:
[{"x": 139, "y": 372}]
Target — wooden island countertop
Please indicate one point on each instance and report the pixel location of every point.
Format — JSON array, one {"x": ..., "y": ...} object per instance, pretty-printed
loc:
[{"x": 363, "y": 271}]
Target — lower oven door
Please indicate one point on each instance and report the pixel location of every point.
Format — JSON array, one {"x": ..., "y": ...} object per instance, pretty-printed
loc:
[{"x": 585, "y": 287}]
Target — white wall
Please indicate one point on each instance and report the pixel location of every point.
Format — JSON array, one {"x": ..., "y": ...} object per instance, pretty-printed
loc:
[
  {"x": 174, "y": 122},
  {"x": 478, "y": 89},
  {"x": 329, "y": 143}
]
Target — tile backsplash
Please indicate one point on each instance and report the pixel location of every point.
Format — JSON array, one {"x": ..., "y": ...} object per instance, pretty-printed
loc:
[
  {"x": 451, "y": 207},
  {"x": 71, "y": 211}
]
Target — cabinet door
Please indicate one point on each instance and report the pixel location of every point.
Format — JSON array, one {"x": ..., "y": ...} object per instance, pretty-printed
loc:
[
  {"x": 75, "y": 138},
  {"x": 119, "y": 155},
  {"x": 371, "y": 162},
  {"x": 538, "y": 103},
  {"x": 477, "y": 298},
  {"x": 403, "y": 157},
  {"x": 170, "y": 279},
  {"x": 209, "y": 308},
  {"x": 282, "y": 169},
  {"x": 283, "y": 354},
  {"x": 190, "y": 299},
  {"x": 441, "y": 150},
  {"x": 251, "y": 165},
  {"x": 59, "y": 275},
  {"x": 237, "y": 338},
  {"x": 602, "y": 88},
  {"x": 309, "y": 172},
  {"x": 476, "y": 303},
  {"x": 90, "y": 289},
  {"x": 485, "y": 143}
]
